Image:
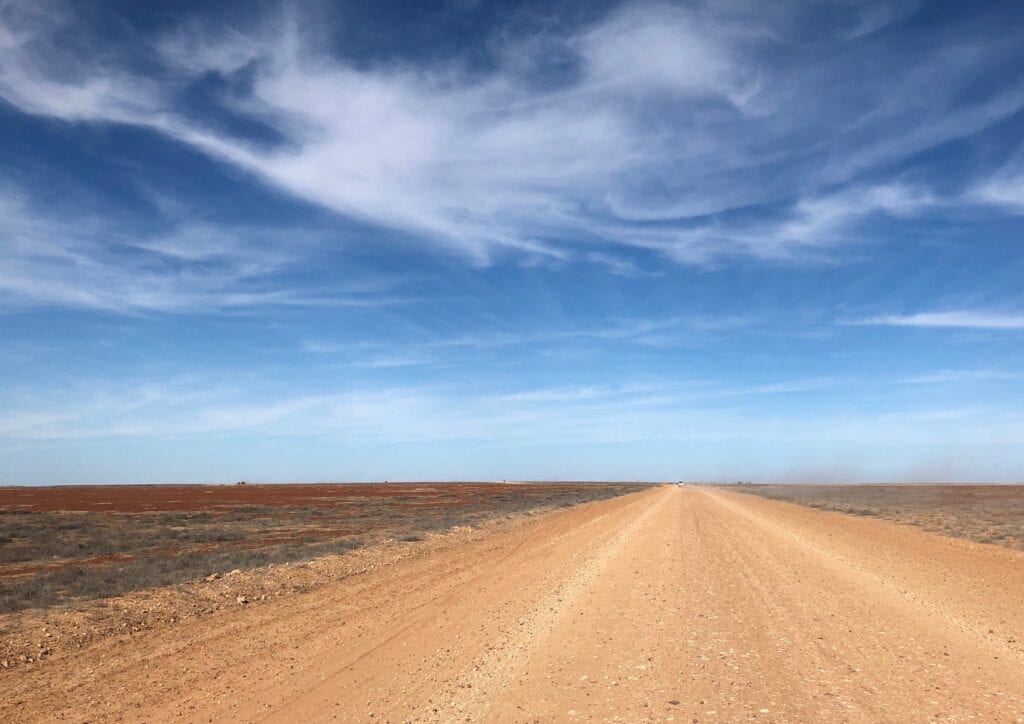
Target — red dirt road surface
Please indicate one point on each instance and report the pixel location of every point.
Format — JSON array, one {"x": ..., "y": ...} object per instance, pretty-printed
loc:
[{"x": 685, "y": 604}]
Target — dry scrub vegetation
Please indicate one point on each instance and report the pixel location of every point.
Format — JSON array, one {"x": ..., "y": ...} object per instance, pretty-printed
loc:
[
  {"x": 97, "y": 545},
  {"x": 80, "y": 565},
  {"x": 982, "y": 513}
]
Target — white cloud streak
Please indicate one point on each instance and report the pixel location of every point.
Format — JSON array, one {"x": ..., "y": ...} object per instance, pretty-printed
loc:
[
  {"x": 664, "y": 114},
  {"x": 958, "y": 319},
  {"x": 1004, "y": 191},
  {"x": 195, "y": 267},
  {"x": 954, "y": 376},
  {"x": 400, "y": 413},
  {"x": 434, "y": 351},
  {"x": 665, "y": 410},
  {"x": 683, "y": 427}
]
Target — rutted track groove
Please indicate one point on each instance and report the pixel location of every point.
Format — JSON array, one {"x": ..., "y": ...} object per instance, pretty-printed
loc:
[
  {"x": 490, "y": 673},
  {"x": 544, "y": 537}
]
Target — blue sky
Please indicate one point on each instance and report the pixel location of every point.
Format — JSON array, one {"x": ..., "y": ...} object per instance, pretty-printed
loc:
[{"x": 470, "y": 240}]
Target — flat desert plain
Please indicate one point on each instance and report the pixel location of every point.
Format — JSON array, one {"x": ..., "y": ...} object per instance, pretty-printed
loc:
[{"x": 666, "y": 603}]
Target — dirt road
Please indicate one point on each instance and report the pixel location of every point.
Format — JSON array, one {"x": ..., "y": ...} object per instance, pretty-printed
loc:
[{"x": 686, "y": 604}]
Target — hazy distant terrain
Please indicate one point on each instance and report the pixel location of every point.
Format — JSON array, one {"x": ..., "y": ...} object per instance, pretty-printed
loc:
[{"x": 983, "y": 513}]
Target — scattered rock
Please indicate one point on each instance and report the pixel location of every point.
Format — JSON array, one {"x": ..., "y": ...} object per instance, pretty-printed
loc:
[
  {"x": 213, "y": 577},
  {"x": 242, "y": 600},
  {"x": 235, "y": 572}
]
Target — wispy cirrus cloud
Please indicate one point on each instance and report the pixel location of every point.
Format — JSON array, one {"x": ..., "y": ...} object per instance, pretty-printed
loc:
[
  {"x": 810, "y": 229},
  {"x": 78, "y": 259},
  {"x": 435, "y": 350},
  {"x": 1003, "y": 190},
  {"x": 958, "y": 319},
  {"x": 763, "y": 437},
  {"x": 656, "y": 129},
  {"x": 595, "y": 415},
  {"x": 945, "y": 376},
  {"x": 397, "y": 414}
]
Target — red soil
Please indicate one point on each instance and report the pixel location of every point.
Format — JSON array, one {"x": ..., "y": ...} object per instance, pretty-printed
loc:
[{"x": 153, "y": 498}]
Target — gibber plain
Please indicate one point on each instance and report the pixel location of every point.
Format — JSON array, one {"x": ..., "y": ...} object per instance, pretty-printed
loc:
[{"x": 509, "y": 602}]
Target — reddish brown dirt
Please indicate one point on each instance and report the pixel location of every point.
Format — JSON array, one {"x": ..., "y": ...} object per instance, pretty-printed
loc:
[
  {"x": 77, "y": 543},
  {"x": 678, "y": 604},
  {"x": 155, "y": 498},
  {"x": 15, "y": 570}
]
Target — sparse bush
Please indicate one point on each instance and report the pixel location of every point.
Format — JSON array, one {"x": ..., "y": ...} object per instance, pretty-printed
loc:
[
  {"x": 987, "y": 514},
  {"x": 171, "y": 547}
]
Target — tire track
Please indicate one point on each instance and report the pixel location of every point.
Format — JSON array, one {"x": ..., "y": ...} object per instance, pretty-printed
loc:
[{"x": 474, "y": 690}]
